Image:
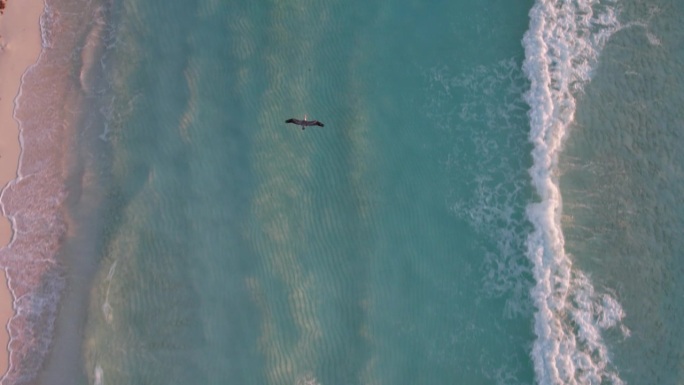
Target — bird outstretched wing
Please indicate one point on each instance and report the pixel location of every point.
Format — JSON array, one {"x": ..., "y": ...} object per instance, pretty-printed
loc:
[{"x": 305, "y": 123}]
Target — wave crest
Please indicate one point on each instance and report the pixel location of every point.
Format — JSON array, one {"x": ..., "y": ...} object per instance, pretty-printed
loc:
[{"x": 561, "y": 48}]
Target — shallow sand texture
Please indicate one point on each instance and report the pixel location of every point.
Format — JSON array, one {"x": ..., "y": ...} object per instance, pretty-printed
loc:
[{"x": 20, "y": 45}]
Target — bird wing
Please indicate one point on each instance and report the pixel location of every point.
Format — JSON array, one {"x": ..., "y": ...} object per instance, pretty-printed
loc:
[{"x": 305, "y": 122}]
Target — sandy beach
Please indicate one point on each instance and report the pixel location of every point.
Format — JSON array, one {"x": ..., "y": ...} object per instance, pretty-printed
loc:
[{"x": 20, "y": 44}]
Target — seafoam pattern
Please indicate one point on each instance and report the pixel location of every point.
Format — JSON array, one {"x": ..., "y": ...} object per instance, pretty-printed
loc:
[
  {"x": 562, "y": 46},
  {"x": 484, "y": 113},
  {"x": 48, "y": 112}
]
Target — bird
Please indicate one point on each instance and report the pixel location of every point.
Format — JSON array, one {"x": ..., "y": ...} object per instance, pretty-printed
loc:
[{"x": 305, "y": 123}]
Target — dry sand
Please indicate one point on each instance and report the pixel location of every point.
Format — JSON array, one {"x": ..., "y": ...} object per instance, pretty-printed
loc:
[{"x": 20, "y": 45}]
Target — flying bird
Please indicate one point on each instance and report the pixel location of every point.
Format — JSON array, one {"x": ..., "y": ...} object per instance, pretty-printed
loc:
[{"x": 305, "y": 123}]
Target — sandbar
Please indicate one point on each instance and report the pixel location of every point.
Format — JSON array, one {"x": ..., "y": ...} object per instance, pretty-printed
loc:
[{"x": 20, "y": 46}]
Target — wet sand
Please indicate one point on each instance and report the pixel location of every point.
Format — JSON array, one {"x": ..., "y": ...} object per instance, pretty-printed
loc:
[{"x": 20, "y": 45}]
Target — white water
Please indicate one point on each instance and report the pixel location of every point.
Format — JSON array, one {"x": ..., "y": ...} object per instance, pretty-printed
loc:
[{"x": 562, "y": 46}]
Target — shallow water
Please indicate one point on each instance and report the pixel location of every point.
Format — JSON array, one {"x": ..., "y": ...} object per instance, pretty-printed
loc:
[{"x": 336, "y": 255}]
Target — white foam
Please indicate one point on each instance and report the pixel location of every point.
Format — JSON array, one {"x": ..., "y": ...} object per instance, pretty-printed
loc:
[
  {"x": 307, "y": 379},
  {"x": 489, "y": 96},
  {"x": 98, "y": 373},
  {"x": 561, "y": 48},
  {"x": 33, "y": 200},
  {"x": 25, "y": 306},
  {"x": 107, "y": 309},
  {"x": 47, "y": 21}
]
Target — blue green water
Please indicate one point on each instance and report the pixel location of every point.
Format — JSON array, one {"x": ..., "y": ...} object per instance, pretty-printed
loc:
[
  {"x": 249, "y": 251},
  {"x": 494, "y": 198}
]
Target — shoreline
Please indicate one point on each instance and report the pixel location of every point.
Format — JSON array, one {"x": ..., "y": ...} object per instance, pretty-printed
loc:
[{"x": 20, "y": 47}]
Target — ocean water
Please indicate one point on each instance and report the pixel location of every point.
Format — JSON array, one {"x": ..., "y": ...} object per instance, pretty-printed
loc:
[{"x": 495, "y": 197}]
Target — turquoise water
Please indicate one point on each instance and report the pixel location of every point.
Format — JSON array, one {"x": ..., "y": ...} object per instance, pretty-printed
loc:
[
  {"x": 622, "y": 186},
  {"x": 249, "y": 251},
  {"x": 494, "y": 198}
]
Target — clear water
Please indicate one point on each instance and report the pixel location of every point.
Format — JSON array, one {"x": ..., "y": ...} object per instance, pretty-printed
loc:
[{"x": 494, "y": 197}]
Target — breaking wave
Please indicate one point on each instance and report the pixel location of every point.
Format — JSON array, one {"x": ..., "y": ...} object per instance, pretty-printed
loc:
[{"x": 562, "y": 47}]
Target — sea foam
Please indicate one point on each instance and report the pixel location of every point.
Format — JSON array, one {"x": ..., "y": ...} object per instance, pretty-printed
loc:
[
  {"x": 48, "y": 110},
  {"x": 562, "y": 46},
  {"x": 484, "y": 111}
]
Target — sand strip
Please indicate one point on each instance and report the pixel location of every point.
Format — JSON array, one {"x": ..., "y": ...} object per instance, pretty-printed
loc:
[{"x": 20, "y": 45}]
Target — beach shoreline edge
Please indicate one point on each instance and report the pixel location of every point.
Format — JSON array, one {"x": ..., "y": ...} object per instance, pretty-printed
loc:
[{"x": 20, "y": 47}]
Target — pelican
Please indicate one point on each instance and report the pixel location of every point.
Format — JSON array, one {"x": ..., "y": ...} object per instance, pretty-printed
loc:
[{"x": 305, "y": 123}]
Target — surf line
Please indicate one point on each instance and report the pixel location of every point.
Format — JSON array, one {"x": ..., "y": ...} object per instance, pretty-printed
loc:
[{"x": 562, "y": 45}]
